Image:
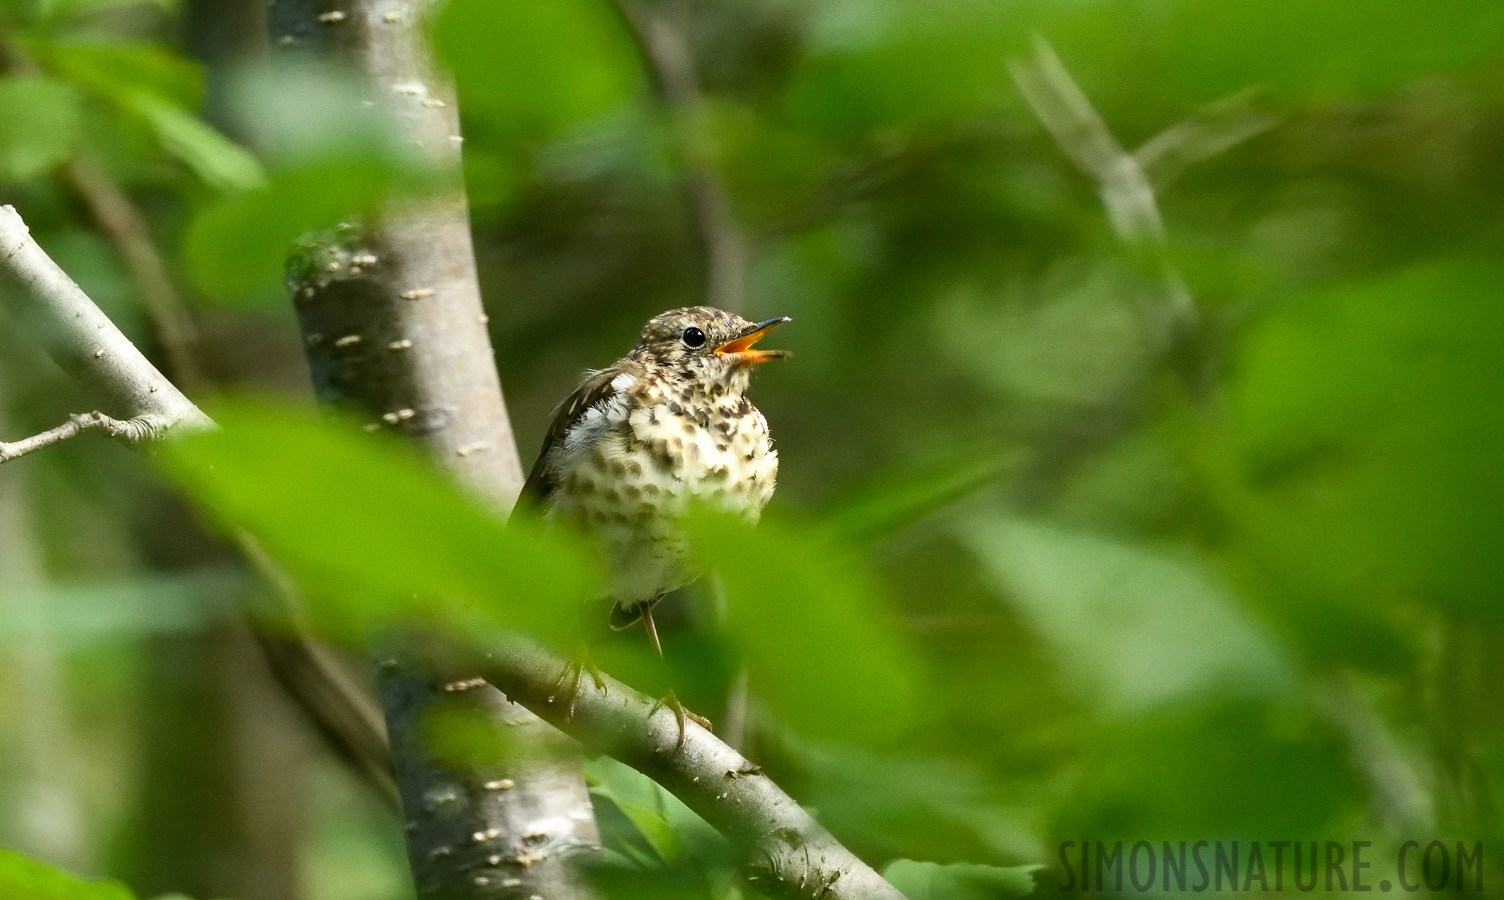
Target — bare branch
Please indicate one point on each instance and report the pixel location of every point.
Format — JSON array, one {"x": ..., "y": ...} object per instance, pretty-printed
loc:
[
  {"x": 131, "y": 431},
  {"x": 1068, "y": 114},
  {"x": 1208, "y": 132},
  {"x": 342, "y": 712},
  {"x": 66, "y": 318},
  {"x": 88, "y": 346},
  {"x": 786, "y": 852},
  {"x": 1121, "y": 183}
]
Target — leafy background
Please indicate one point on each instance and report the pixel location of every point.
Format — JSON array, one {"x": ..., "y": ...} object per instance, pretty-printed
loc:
[{"x": 1031, "y": 575}]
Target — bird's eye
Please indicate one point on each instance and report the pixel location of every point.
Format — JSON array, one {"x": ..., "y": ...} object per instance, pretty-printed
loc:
[{"x": 693, "y": 337}]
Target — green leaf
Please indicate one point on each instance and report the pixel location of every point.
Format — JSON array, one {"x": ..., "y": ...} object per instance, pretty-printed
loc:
[
  {"x": 220, "y": 162},
  {"x": 1130, "y": 626},
  {"x": 885, "y": 65},
  {"x": 236, "y": 250},
  {"x": 25, "y": 879},
  {"x": 163, "y": 89},
  {"x": 118, "y": 71},
  {"x": 960, "y": 881},
  {"x": 1369, "y": 415},
  {"x": 62, "y": 9},
  {"x": 810, "y": 618},
  {"x": 303, "y": 112},
  {"x": 1327, "y": 49},
  {"x": 925, "y": 805},
  {"x": 1071, "y": 338},
  {"x": 75, "y": 614},
  {"x": 664, "y": 822},
  {"x": 42, "y": 119},
  {"x": 375, "y": 535}
]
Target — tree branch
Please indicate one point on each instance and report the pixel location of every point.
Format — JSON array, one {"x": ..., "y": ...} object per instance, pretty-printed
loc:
[
  {"x": 131, "y": 431},
  {"x": 88, "y": 346},
  {"x": 111, "y": 367},
  {"x": 786, "y": 852},
  {"x": 1121, "y": 182}
]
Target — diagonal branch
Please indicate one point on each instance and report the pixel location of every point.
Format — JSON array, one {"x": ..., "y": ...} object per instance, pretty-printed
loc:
[
  {"x": 1121, "y": 183},
  {"x": 785, "y": 851},
  {"x": 88, "y": 346}
]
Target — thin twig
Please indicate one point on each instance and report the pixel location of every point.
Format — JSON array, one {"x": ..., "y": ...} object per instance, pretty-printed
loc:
[
  {"x": 131, "y": 431},
  {"x": 1124, "y": 188},
  {"x": 1206, "y": 133}
]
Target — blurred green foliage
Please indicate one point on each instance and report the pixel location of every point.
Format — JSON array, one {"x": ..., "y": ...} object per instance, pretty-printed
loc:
[
  {"x": 376, "y": 537},
  {"x": 27, "y": 879},
  {"x": 1031, "y": 574}
]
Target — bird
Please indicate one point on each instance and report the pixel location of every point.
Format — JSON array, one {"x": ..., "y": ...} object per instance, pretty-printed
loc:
[{"x": 639, "y": 443}]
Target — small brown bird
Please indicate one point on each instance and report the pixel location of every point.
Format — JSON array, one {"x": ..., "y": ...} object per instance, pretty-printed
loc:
[{"x": 640, "y": 441}]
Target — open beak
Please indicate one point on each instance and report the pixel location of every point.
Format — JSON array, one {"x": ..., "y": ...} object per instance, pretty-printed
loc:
[{"x": 740, "y": 348}]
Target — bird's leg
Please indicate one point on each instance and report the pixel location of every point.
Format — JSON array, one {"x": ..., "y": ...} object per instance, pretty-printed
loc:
[
  {"x": 671, "y": 702},
  {"x": 571, "y": 675},
  {"x": 573, "y": 670},
  {"x": 646, "y": 611}
]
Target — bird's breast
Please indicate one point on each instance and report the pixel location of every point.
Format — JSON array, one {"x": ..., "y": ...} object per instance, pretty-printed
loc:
[
  {"x": 634, "y": 467},
  {"x": 718, "y": 453},
  {"x": 654, "y": 450}
]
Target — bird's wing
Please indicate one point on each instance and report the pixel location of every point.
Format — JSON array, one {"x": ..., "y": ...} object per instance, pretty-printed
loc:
[{"x": 542, "y": 480}]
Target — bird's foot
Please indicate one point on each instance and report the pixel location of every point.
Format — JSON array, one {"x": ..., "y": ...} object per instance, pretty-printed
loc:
[
  {"x": 572, "y": 674},
  {"x": 671, "y": 702}
]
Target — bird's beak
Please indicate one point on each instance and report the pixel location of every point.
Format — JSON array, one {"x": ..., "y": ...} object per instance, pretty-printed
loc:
[{"x": 739, "y": 349}]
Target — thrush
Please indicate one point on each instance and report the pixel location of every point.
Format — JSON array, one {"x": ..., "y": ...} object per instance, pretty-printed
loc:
[{"x": 638, "y": 443}]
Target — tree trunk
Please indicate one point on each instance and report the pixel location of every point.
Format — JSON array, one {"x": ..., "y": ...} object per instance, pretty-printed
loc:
[{"x": 395, "y": 332}]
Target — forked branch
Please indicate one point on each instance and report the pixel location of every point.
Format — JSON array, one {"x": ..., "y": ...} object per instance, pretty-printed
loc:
[
  {"x": 131, "y": 431},
  {"x": 88, "y": 346}
]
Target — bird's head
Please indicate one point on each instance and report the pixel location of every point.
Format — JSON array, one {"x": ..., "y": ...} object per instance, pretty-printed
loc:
[{"x": 707, "y": 344}]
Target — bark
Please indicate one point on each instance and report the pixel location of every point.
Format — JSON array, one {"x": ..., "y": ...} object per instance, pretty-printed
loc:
[{"x": 395, "y": 331}]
